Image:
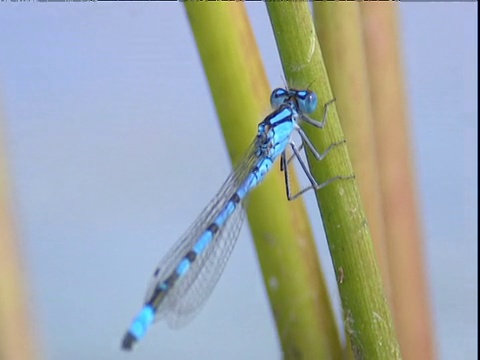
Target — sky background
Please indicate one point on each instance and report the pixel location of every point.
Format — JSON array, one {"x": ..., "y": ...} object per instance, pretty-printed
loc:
[{"x": 108, "y": 120}]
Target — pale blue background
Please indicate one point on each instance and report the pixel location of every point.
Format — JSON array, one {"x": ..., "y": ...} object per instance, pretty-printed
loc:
[{"x": 112, "y": 133}]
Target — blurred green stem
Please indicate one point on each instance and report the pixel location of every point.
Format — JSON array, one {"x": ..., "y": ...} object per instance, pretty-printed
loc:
[{"x": 367, "y": 317}]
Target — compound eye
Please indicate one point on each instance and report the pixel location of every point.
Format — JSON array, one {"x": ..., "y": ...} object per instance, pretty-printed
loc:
[
  {"x": 278, "y": 97},
  {"x": 307, "y": 101}
]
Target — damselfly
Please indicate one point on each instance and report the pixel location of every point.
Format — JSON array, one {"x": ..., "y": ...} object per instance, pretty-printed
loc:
[{"x": 187, "y": 274}]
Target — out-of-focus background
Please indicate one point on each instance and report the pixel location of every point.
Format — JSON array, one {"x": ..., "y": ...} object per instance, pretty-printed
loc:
[{"x": 114, "y": 148}]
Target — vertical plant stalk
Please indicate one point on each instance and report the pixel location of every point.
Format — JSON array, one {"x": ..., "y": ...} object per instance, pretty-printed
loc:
[
  {"x": 15, "y": 328},
  {"x": 411, "y": 307},
  {"x": 339, "y": 31},
  {"x": 283, "y": 238},
  {"x": 366, "y": 314}
]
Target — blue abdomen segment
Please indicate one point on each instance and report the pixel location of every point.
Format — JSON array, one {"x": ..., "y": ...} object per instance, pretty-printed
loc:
[
  {"x": 256, "y": 177},
  {"x": 203, "y": 242},
  {"x": 139, "y": 327},
  {"x": 189, "y": 271}
]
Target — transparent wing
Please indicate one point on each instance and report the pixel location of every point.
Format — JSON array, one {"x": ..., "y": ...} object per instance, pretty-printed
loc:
[{"x": 186, "y": 297}]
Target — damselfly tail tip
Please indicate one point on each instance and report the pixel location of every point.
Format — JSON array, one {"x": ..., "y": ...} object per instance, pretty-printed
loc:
[{"x": 128, "y": 340}]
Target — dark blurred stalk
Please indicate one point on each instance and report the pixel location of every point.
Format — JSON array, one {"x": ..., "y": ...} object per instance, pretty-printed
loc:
[
  {"x": 398, "y": 191},
  {"x": 16, "y": 329}
]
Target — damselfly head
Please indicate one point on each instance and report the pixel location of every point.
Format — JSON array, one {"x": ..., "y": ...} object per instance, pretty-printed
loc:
[
  {"x": 278, "y": 97},
  {"x": 307, "y": 101}
]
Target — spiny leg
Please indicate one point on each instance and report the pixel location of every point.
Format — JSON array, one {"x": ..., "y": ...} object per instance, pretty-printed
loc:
[
  {"x": 314, "y": 185},
  {"x": 318, "y": 156},
  {"x": 318, "y": 124},
  {"x": 306, "y": 140}
]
